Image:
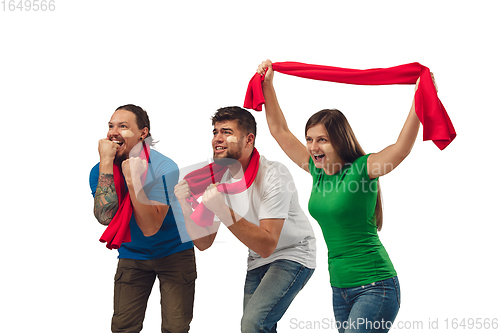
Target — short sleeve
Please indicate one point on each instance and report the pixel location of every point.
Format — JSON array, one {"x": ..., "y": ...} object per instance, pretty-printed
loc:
[
  {"x": 360, "y": 165},
  {"x": 163, "y": 175},
  {"x": 276, "y": 197},
  {"x": 94, "y": 178}
]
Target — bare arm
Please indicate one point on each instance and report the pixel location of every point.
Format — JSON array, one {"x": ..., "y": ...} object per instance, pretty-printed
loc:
[
  {"x": 388, "y": 159},
  {"x": 149, "y": 214},
  {"x": 278, "y": 127},
  {"x": 106, "y": 199},
  {"x": 262, "y": 238},
  {"x": 202, "y": 237}
]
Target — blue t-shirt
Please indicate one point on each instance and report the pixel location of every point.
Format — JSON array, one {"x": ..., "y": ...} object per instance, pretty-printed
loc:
[{"x": 162, "y": 176}]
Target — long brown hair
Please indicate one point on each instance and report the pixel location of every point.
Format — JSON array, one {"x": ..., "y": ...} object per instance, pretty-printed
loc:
[{"x": 345, "y": 144}]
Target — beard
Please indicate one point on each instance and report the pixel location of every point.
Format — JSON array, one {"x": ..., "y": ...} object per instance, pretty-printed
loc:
[
  {"x": 124, "y": 155},
  {"x": 119, "y": 159},
  {"x": 229, "y": 158}
]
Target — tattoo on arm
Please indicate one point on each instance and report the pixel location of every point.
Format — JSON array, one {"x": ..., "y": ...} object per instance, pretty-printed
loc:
[{"x": 106, "y": 199}]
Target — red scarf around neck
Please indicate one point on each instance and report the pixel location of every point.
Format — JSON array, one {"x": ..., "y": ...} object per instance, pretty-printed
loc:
[
  {"x": 118, "y": 230},
  {"x": 436, "y": 123},
  {"x": 199, "y": 180}
]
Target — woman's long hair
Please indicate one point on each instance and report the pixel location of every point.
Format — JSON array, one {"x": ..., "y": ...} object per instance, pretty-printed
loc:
[{"x": 345, "y": 144}]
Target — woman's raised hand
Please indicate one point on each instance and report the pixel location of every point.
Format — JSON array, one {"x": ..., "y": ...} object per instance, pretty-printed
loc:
[
  {"x": 266, "y": 65},
  {"x": 433, "y": 81}
]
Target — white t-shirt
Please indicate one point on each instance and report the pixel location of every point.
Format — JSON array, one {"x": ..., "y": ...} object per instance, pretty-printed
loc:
[{"x": 273, "y": 196}]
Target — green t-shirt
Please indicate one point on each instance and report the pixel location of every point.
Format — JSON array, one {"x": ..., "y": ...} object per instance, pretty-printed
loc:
[{"x": 344, "y": 206}]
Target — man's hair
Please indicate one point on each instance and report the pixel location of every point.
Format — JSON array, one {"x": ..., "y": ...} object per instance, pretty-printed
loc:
[
  {"x": 141, "y": 116},
  {"x": 246, "y": 121}
]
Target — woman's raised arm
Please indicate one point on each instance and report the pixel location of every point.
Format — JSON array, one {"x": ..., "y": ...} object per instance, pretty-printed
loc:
[
  {"x": 276, "y": 120},
  {"x": 388, "y": 159}
]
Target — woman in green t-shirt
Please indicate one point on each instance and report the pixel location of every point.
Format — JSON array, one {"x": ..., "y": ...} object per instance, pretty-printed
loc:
[{"x": 345, "y": 200}]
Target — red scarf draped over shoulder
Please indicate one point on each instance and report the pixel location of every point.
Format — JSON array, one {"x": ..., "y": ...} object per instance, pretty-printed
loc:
[
  {"x": 118, "y": 230},
  {"x": 212, "y": 173},
  {"x": 436, "y": 123}
]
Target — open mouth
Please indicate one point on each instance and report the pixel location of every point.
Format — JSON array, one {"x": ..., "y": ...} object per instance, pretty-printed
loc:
[
  {"x": 118, "y": 143},
  {"x": 318, "y": 157},
  {"x": 219, "y": 149}
]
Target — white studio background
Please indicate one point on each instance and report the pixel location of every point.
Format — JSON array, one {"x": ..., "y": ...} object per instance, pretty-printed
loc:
[{"x": 63, "y": 72}]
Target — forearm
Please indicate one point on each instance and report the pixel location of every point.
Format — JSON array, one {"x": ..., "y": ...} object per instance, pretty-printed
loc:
[
  {"x": 256, "y": 238},
  {"x": 262, "y": 238},
  {"x": 408, "y": 134},
  {"x": 274, "y": 115},
  {"x": 105, "y": 199},
  {"x": 202, "y": 237},
  {"x": 388, "y": 159},
  {"x": 148, "y": 214},
  {"x": 278, "y": 127},
  {"x": 106, "y": 166}
]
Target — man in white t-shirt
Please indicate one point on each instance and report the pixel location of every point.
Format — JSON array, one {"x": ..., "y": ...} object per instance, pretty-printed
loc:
[{"x": 266, "y": 217}]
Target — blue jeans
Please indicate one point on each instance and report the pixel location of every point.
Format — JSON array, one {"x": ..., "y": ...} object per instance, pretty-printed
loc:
[
  {"x": 369, "y": 308},
  {"x": 269, "y": 291}
]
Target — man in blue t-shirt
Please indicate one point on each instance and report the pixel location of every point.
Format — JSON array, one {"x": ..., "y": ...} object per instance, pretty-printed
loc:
[{"x": 160, "y": 245}]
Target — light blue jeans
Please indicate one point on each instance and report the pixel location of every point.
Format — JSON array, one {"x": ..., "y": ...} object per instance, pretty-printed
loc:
[
  {"x": 269, "y": 291},
  {"x": 369, "y": 308}
]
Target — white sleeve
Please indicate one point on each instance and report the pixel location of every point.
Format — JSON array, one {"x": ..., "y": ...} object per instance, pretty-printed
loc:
[{"x": 276, "y": 194}]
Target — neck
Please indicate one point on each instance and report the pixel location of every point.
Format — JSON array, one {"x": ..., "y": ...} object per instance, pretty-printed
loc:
[
  {"x": 235, "y": 169},
  {"x": 333, "y": 168}
]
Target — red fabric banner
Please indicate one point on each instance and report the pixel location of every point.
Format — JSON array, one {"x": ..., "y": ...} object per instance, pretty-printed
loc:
[
  {"x": 118, "y": 230},
  {"x": 200, "y": 179},
  {"x": 436, "y": 123}
]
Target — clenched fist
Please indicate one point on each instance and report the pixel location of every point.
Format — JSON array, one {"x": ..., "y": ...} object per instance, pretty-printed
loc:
[
  {"x": 133, "y": 168},
  {"x": 182, "y": 191},
  {"x": 214, "y": 200},
  {"x": 107, "y": 150}
]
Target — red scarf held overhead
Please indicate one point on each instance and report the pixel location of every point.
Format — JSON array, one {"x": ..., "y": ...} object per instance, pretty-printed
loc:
[
  {"x": 200, "y": 179},
  {"x": 436, "y": 124},
  {"x": 118, "y": 230}
]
